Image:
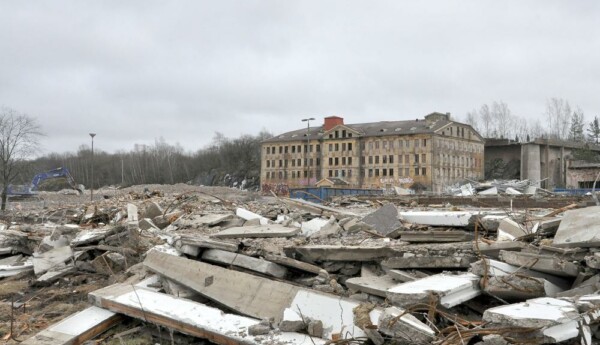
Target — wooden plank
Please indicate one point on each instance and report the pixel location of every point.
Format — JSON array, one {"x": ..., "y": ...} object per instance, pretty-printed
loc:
[
  {"x": 189, "y": 317},
  {"x": 77, "y": 328},
  {"x": 250, "y": 295},
  {"x": 258, "y": 231}
]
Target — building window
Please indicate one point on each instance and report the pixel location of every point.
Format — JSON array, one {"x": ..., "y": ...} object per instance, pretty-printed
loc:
[
  {"x": 305, "y": 174},
  {"x": 337, "y": 147},
  {"x": 330, "y": 147},
  {"x": 384, "y": 159},
  {"x": 416, "y": 158},
  {"x": 424, "y": 158},
  {"x": 362, "y": 160},
  {"x": 268, "y": 164},
  {"x": 293, "y": 174},
  {"x": 391, "y": 172},
  {"x": 280, "y": 163},
  {"x": 280, "y": 175},
  {"x": 343, "y": 133},
  {"x": 370, "y": 145},
  {"x": 376, "y": 172},
  {"x": 370, "y": 159},
  {"x": 349, "y": 160},
  {"x": 400, "y": 159},
  {"x": 285, "y": 150},
  {"x": 310, "y": 162},
  {"x": 349, "y": 134},
  {"x": 293, "y": 149},
  {"x": 424, "y": 171},
  {"x": 385, "y": 144},
  {"x": 343, "y": 173},
  {"x": 406, "y": 171},
  {"x": 406, "y": 159},
  {"x": 337, "y": 173},
  {"x": 330, "y": 160},
  {"x": 362, "y": 172},
  {"x": 337, "y": 135},
  {"x": 349, "y": 146},
  {"x": 311, "y": 148},
  {"x": 337, "y": 161},
  {"x": 299, "y": 148},
  {"x": 384, "y": 172},
  {"x": 377, "y": 144},
  {"x": 280, "y": 149},
  {"x": 343, "y": 160},
  {"x": 330, "y": 173},
  {"x": 318, "y": 147},
  {"x": 318, "y": 161},
  {"x": 349, "y": 172},
  {"x": 391, "y": 159},
  {"x": 416, "y": 171},
  {"x": 376, "y": 159},
  {"x": 416, "y": 142},
  {"x": 268, "y": 150},
  {"x": 343, "y": 146},
  {"x": 293, "y": 162},
  {"x": 370, "y": 172}
]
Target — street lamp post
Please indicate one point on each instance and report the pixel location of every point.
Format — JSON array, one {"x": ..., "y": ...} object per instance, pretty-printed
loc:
[
  {"x": 92, "y": 182},
  {"x": 307, "y": 120}
]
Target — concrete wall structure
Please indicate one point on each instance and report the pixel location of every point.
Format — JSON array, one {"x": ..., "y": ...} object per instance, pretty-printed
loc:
[
  {"x": 432, "y": 152},
  {"x": 541, "y": 160},
  {"x": 582, "y": 174}
]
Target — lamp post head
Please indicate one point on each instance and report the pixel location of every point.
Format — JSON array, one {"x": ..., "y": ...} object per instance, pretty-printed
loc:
[
  {"x": 309, "y": 119},
  {"x": 92, "y": 135}
]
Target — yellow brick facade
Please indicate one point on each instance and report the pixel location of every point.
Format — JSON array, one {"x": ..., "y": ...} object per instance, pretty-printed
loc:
[{"x": 442, "y": 156}]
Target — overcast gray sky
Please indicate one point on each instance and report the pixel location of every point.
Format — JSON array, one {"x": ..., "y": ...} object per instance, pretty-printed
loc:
[{"x": 133, "y": 71}]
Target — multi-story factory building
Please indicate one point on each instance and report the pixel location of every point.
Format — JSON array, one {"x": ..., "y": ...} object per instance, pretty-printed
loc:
[{"x": 426, "y": 154}]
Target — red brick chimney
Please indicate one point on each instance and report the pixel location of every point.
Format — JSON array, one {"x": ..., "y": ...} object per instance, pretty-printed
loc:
[{"x": 332, "y": 121}]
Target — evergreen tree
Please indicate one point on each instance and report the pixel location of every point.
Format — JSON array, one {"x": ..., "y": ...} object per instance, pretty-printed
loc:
[
  {"x": 594, "y": 131},
  {"x": 576, "y": 128}
]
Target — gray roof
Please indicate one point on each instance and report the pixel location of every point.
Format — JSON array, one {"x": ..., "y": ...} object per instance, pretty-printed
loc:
[{"x": 369, "y": 129}]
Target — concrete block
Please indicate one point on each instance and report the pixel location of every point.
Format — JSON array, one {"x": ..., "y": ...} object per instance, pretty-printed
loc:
[
  {"x": 132, "y": 213},
  {"x": 395, "y": 322},
  {"x": 331, "y": 228},
  {"x": 377, "y": 286},
  {"x": 542, "y": 263},
  {"x": 435, "y": 236},
  {"x": 14, "y": 265},
  {"x": 385, "y": 220},
  {"x": 214, "y": 219},
  {"x": 509, "y": 230},
  {"x": 152, "y": 210},
  {"x": 437, "y": 262},
  {"x": 289, "y": 262},
  {"x": 313, "y": 225},
  {"x": 147, "y": 224},
  {"x": 492, "y": 249},
  {"x": 579, "y": 228},
  {"x": 43, "y": 262},
  {"x": 292, "y": 322},
  {"x": 340, "y": 253},
  {"x": 244, "y": 261},
  {"x": 247, "y": 215},
  {"x": 440, "y": 218},
  {"x": 451, "y": 290},
  {"x": 259, "y": 231}
]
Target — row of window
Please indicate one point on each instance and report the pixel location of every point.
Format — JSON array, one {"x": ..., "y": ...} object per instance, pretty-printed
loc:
[
  {"x": 459, "y": 145},
  {"x": 284, "y": 174},
  {"x": 346, "y": 173},
  {"x": 469, "y": 162},
  {"x": 293, "y": 149},
  {"x": 336, "y": 161},
  {"x": 456, "y": 131},
  {"x": 391, "y": 144},
  {"x": 340, "y": 134},
  {"x": 337, "y": 146},
  {"x": 283, "y": 163}
]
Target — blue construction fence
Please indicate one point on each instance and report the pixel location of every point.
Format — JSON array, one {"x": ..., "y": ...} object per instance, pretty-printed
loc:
[
  {"x": 574, "y": 191},
  {"x": 320, "y": 194}
]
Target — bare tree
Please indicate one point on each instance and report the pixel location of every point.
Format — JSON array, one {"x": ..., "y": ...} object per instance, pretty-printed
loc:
[
  {"x": 487, "y": 121},
  {"x": 503, "y": 119},
  {"x": 558, "y": 112},
  {"x": 19, "y": 136},
  {"x": 471, "y": 119}
]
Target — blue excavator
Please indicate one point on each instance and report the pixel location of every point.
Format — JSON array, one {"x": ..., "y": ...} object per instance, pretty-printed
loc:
[{"x": 32, "y": 189}]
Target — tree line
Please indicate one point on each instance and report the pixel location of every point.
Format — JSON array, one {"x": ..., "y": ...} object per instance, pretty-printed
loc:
[{"x": 561, "y": 121}]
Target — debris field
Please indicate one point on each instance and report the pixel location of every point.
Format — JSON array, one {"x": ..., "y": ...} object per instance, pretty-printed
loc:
[{"x": 197, "y": 265}]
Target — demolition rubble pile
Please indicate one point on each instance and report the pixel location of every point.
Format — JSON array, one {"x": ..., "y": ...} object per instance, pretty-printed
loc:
[
  {"x": 495, "y": 187},
  {"x": 283, "y": 271}
]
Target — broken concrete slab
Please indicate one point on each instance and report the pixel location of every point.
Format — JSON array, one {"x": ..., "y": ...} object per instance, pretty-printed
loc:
[
  {"x": 256, "y": 296},
  {"x": 313, "y": 225},
  {"x": 289, "y": 262},
  {"x": 191, "y": 245},
  {"x": 451, "y": 290},
  {"x": 214, "y": 219},
  {"x": 511, "y": 282},
  {"x": 441, "y": 218},
  {"x": 546, "y": 317},
  {"x": 377, "y": 286},
  {"x": 492, "y": 249},
  {"x": 189, "y": 317},
  {"x": 331, "y": 228},
  {"x": 247, "y": 215},
  {"x": 258, "y": 231},
  {"x": 77, "y": 328},
  {"x": 385, "y": 220},
  {"x": 409, "y": 260},
  {"x": 436, "y": 236},
  {"x": 43, "y": 262},
  {"x": 244, "y": 261},
  {"x": 405, "y": 276},
  {"x": 397, "y": 323},
  {"x": 340, "y": 253},
  {"x": 509, "y": 230},
  {"x": 54, "y": 275},
  {"x": 542, "y": 263},
  {"x": 91, "y": 236},
  {"x": 579, "y": 228},
  {"x": 14, "y": 265},
  {"x": 587, "y": 287},
  {"x": 147, "y": 224}
]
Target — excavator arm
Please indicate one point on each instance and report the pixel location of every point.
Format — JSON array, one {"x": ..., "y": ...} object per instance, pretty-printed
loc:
[{"x": 41, "y": 177}]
